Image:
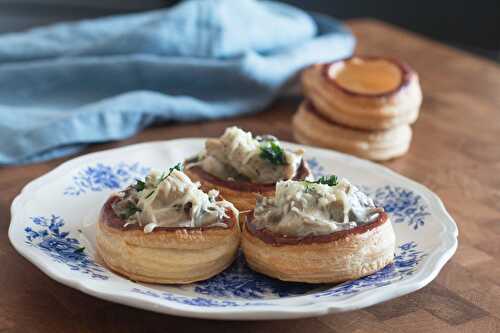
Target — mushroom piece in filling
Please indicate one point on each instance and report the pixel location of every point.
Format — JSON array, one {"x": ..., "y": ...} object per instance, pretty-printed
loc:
[
  {"x": 237, "y": 155},
  {"x": 171, "y": 199},
  {"x": 303, "y": 208}
]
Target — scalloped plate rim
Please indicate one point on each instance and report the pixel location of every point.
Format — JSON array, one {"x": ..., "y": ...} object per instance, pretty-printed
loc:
[{"x": 434, "y": 264}]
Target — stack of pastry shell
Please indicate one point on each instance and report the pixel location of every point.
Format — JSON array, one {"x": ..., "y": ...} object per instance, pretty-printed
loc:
[{"x": 362, "y": 106}]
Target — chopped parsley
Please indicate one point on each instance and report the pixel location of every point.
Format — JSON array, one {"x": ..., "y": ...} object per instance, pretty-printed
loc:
[
  {"x": 272, "y": 152},
  {"x": 179, "y": 167},
  {"x": 129, "y": 211},
  {"x": 139, "y": 185},
  {"x": 308, "y": 187},
  {"x": 150, "y": 194},
  {"x": 331, "y": 180}
]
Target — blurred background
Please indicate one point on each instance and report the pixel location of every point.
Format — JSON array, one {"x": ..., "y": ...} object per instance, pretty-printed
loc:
[{"x": 470, "y": 25}]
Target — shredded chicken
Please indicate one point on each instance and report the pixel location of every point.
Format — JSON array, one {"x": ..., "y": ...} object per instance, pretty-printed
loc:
[
  {"x": 172, "y": 201},
  {"x": 304, "y": 208},
  {"x": 238, "y": 155}
]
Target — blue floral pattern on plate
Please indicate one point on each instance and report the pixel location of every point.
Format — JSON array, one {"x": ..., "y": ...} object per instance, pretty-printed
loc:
[
  {"x": 194, "y": 301},
  {"x": 99, "y": 177},
  {"x": 404, "y": 206},
  {"x": 238, "y": 285},
  {"x": 237, "y": 282},
  {"x": 242, "y": 282},
  {"x": 63, "y": 249},
  {"x": 254, "y": 286},
  {"x": 405, "y": 264}
]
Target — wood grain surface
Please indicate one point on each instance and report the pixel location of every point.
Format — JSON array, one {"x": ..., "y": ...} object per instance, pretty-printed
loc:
[{"x": 455, "y": 152}]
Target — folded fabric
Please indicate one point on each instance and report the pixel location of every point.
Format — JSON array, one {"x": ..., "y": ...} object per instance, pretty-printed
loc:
[{"x": 71, "y": 84}]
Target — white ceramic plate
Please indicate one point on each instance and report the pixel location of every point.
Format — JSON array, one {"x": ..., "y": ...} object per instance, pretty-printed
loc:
[{"x": 53, "y": 223}]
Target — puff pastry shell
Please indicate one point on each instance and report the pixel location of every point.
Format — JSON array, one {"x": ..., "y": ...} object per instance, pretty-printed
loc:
[
  {"x": 378, "y": 110},
  {"x": 166, "y": 255},
  {"x": 338, "y": 257},
  {"x": 310, "y": 127}
]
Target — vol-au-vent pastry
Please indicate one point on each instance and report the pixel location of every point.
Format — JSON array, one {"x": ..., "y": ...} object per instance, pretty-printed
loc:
[
  {"x": 371, "y": 93},
  {"x": 165, "y": 229},
  {"x": 325, "y": 231},
  {"x": 312, "y": 128},
  {"x": 241, "y": 166}
]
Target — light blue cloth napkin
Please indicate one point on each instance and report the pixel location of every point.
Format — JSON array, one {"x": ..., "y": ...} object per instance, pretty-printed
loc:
[{"x": 71, "y": 84}]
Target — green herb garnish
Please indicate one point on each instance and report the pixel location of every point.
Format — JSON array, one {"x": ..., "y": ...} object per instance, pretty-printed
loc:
[
  {"x": 129, "y": 211},
  {"x": 79, "y": 250},
  {"x": 163, "y": 177},
  {"x": 331, "y": 180},
  {"x": 139, "y": 185},
  {"x": 271, "y": 151},
  {"x": 308, "y": 186},
  {"x": 179, "y": 167}
]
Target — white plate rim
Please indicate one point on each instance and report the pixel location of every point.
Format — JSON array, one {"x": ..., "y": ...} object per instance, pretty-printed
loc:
[{"x": 435, "y": 263}]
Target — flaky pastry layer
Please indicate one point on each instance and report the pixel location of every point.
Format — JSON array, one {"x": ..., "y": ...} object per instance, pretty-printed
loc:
[
  {"x": 175, "y": 255},
  {"x": 363, "y": 111},
  {"x": 321, "y": 259},
  {"x": 311, "y": 128}
]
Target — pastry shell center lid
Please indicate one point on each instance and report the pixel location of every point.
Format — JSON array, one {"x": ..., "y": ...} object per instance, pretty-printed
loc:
[{"x": 366, "y": 76}]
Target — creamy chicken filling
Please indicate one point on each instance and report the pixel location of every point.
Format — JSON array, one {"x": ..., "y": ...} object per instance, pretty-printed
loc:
[
  {"x": 302, "y": 208},
  {"x": 171, "y": 199},
  {"x": 237, "y": 155}
]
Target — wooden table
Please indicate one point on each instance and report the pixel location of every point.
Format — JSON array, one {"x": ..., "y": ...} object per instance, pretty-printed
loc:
[{"x": 455, "y": 152}]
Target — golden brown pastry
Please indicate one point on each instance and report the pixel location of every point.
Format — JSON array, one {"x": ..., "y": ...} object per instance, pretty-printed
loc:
[
  {"x": 312, "y": 128},
  {"x": 166, "y": 230},
  {"x": 364, "y": 92},
  {"x": 241, "y": 166},
  {"x": 318, "y": 232}
]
